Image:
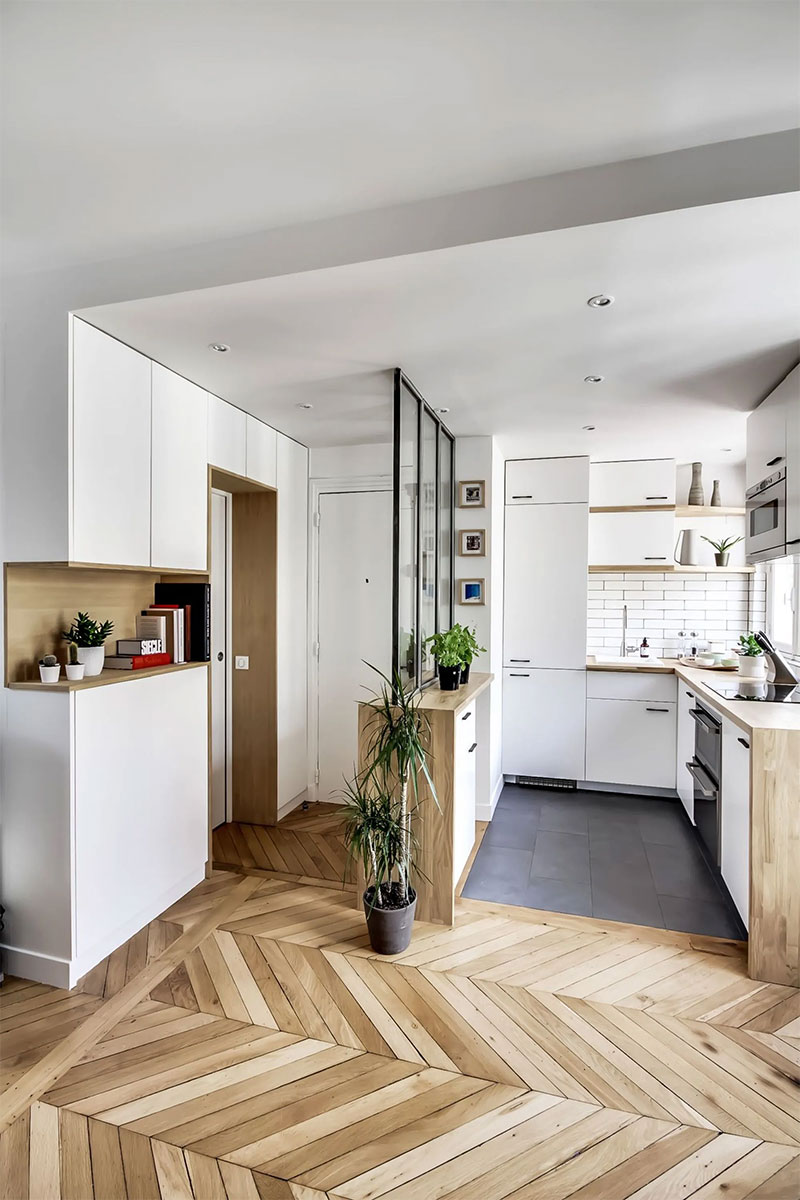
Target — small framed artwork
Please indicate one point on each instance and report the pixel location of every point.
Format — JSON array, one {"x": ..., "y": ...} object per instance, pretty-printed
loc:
[
  {"x": 473, "y": 543},
  {"x": 472, "y": 493},
  {"x": 470, "y": 591}
]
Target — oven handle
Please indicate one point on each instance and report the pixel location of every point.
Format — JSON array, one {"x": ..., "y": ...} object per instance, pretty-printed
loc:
[
  {"x": 697, "y": 715},
  {"x": 701, "y": 778}
]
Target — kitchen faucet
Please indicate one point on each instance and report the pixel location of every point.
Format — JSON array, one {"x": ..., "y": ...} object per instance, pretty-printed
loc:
[{"x": 623, "y": 646}]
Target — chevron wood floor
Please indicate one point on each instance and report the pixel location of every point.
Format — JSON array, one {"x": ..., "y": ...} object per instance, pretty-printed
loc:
[
  {"x": 306, "y": 844},
  {"x": 249, "y": 1044}
]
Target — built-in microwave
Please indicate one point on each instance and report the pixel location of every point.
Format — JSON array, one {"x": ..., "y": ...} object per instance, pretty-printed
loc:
[{"x": 766, "y": 518}]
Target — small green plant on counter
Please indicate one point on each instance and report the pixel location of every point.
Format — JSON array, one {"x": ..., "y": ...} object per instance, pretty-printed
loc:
[
  {"x": 470, "y": 647},
  {"x": 85, "y": 631},
  {"x": 72, "y": 654},
  {"x": 49, "y": 660},
  {"x": 447, "y": 646},
  {"x": 724, "y": 545},
  {"x": 748, "y": 646}
]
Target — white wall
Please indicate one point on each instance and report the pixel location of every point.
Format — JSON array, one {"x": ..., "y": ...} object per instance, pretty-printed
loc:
[{"x": 350, "y": 462}]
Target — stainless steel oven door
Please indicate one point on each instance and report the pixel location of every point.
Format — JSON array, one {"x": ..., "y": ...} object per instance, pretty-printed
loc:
[{"x": 766, "y": 519}]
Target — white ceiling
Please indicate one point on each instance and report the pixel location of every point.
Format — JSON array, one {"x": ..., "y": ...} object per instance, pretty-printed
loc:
[
  {"x": 133, "y": 127},
  {"x": 705, "y": 323}
]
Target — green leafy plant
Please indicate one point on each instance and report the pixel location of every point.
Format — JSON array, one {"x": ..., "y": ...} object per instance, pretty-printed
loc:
[
  {"x": 723, "y": 546},
  {"x": 748, "y": 646},
  {"x": 381, "y": 801},
  {"x": 447, "y": 646},
  {"x": 72, "y": 654},
  {"x": 470, "y": 646},
  {"x": 85, "y": 631}
]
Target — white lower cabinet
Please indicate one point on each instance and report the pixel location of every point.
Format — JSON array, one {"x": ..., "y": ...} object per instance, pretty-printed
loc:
[
  {"x": 685, "y": 750},
  {"x": 544, "y": 723},
  {"x": 630, "y": 728},
  {"x": 464, "y": 790},
  {"x": 735, "y": 816}
]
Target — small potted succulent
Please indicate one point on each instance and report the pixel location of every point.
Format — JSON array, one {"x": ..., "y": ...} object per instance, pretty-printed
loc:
[
  {"x": 75, "y": 668},
  {"x": 89, "y": 636},
  {"x": 447, "y": 650},
  {"x": 722, "y": 548},
  {"x": 49, "y": 669},
  {"x": 752, "y": 664},
  {"x": 470, "y": 649}
]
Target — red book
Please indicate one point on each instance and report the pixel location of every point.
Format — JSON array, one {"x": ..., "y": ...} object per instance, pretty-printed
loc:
[{"x": 135, "y": 662}]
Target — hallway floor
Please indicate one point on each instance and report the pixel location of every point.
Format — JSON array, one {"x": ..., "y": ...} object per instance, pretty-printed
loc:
[{"x": 595, "y": 854}]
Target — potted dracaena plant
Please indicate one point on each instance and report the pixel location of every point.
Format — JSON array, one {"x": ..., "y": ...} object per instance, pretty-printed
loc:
[
  {"x": 722, "y": 548},
  {"x": 470, "y": 649},
  {"x": 380, "y": 804},
  {"x": 89, "y": 636},
  {"x": 447, "y": 650}
]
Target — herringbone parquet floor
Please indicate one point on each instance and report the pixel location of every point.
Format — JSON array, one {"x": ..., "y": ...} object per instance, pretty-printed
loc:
[{"x": 250, "y": 1045}]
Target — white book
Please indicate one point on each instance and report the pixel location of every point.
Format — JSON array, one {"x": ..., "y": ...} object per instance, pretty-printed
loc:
[{"x": 173, "y": 619}]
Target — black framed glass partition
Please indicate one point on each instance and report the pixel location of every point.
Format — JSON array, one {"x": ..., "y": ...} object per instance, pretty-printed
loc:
[{"x": 424, "y": 452}]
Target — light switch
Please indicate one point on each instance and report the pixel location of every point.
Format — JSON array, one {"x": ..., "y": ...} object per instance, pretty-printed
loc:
[{"x": 242, "y": 662}]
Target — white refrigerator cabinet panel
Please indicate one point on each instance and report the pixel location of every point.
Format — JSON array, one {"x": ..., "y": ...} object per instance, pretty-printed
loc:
[
  {"x": 793, "y": 463},
  {"x": 623, "y": 484},
  {"x": 632, "y": 539},
  {"x": 110, "y": 450},
  {"x": 180, "y": 473},
  {"x": 141, "y": 819},
  {"x": 227, "y": 436},
  {"x": 545, "y": 586},
  {"x": 631, "y": 742},
  {"x": 735, "y": 817},
  {"x": 685, "y": 752},
  {"x": 292, "y": 619},
  {"x": 547, "y": 481},
  {"x": 544, "y": 723},
  {"x": 262, "y": 449}
]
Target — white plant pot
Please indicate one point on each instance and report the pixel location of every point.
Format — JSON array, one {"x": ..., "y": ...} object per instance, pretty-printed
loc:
[
  {"x": 49, "y": 674},
  {"x": 92, "y": 659},
  {"x": 752, "y": 666},
  {"x": 75, "y": 670}
]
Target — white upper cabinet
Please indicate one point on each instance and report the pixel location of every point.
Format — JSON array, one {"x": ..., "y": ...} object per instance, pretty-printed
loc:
[
  {"x": 631, "y": 539},
  {"x": 766, "y": 433},
  {"x": 641, "y": 482},
  {"x": 547, "y": 481},
  {"x": 545, "y": 585},
  {"x": 793, "y": 463},
  {"x": 110, "y": 450},
  {"x": 227, "y": 436},
  {"x": 261, "y": 452},
  {"x": 180, "y": 473}
]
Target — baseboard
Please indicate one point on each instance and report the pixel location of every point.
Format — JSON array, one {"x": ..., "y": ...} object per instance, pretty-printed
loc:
[
  {"x": 624, "y": 789},
  {"x": 485, "y": 812}
]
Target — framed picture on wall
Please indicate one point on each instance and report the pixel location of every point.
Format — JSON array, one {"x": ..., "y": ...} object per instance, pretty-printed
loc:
[
  {"x": 472, "y": 543},
  {"x": 471, "y": 591},
  {"x": 472, "y": 493}
]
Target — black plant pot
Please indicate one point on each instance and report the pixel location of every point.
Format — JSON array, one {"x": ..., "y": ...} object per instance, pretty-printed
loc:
[
  {"x": 465, "y": 673},
  {"x": 449, "y": 678},
  {"x": 390, "y": 928}
]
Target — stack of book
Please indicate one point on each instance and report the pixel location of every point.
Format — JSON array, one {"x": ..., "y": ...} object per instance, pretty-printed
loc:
[
  {"x": 175, "y": 629},
  {"x": 134, "y": 654}
]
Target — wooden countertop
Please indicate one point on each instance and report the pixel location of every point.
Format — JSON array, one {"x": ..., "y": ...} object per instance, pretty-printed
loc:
[
  {"x": 433, "y": 699},
  {"x": 749, "y": 715}
]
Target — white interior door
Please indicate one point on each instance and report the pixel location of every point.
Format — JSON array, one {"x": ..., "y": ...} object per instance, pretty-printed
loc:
[
  {"x": 220, "y": 664},
  {"x": 355, "y": 621}
]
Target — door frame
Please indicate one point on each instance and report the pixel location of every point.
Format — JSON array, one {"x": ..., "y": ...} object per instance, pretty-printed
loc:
[
  {"x": 228, "y": 498},
  {"x": 317, "y": 489}
]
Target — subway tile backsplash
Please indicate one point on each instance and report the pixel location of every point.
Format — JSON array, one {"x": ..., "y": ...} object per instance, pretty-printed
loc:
[{"x": 668, "y": 609}]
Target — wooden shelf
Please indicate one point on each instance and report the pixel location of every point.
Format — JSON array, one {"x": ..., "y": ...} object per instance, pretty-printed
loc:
[
  {"x": 84, "y": 566},
  {"x": 628, "y": 508},
  {"x": 706, "y": 510},
  {"x": 104, "y": 679},
  {"x": 672, "y": 569}
]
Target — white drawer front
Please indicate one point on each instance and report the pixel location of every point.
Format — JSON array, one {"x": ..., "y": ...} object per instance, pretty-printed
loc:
[
  {"x": 631, "y": 742},
  {"x": 630, "y": 685}
]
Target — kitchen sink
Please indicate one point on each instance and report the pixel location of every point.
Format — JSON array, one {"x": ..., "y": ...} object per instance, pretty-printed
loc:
[{"x": 632, "y": 660}]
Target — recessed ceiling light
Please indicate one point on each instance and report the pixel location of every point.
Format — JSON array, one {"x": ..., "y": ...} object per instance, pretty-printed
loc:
[
  {"x": 589, "y": 428},
  {"x": 593, "y": 378},
  {"x": 600, "y": 301},
  {"x": 218, "y": 347},
  {"x": 305, "y": 405},
  {"x": 727, "y": 449},
  {"x": 443, "y": 410}
]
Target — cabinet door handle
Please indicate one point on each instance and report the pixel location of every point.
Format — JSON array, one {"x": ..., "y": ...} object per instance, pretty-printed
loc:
[
  {"x": 793, "y": 542},
  {"x": 657, "y": 710},
  {"x": 744, "y": 742},
  {"x": 773, "y": 462},
  {"x": 474, "y": 746},
  {"x": 656, "y": 497},
  {"x": 655, "y": 558},
  {"x": 522, "y": 497},
  {"x": 466, "y": 716},
  {"x": 519, "y": 674},
  {"x": 519, "y": 660},
  {"x": 690, "y": 695}
]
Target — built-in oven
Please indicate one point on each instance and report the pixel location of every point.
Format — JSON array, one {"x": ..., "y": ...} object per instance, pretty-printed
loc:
[
  {"x": 706, "y": 771},
  {"x": 766, "y": 518}
]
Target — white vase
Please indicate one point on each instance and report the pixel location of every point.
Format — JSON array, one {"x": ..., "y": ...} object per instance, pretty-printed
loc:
[
  {"x": 752, "y": 666},
  {"x": 49, "y": 674},
  {"x": 92, "y": 658},
  {"x": 75, "y": 670}
]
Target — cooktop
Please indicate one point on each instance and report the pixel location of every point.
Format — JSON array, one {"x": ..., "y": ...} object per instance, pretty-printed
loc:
[{"x": 755, "y": 689}]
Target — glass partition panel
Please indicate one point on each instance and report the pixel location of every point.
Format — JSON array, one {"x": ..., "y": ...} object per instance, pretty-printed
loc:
[
  {"x": 428, "y": 557},
  {"x": 446, "y": 549},
  {"x": 405, "y": 567}
]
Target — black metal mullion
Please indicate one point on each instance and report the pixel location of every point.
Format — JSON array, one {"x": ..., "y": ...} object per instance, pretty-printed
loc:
[
  {"x": 396, "y": 526},
  {"x": 418, "y": 628},
  {"x": 438, "y": 528}
]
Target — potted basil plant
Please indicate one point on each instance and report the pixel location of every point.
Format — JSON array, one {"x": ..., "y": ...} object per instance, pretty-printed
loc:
[
  {"x": 752, "y": 664},
  {"x": 448, "y": 651},
  {"x": 89, "y": 636},
  {"x": 470, "y": 649}
]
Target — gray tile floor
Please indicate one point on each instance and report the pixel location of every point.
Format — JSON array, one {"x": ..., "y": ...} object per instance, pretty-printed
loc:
[{"x": 595, "y": 854}]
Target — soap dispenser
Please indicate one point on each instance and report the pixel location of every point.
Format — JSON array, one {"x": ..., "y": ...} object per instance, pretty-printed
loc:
[{"x": 644, "y": 649}]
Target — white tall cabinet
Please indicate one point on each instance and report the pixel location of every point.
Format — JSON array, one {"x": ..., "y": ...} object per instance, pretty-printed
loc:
[
  {"x": 544, "y": 637},
  {"x": 179, "y": 483},
  {"x": 292, "y": 477}
]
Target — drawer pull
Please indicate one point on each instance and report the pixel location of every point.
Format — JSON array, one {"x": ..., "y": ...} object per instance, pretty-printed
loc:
[
  {"x": 656, "y": 497},
  {"x": 657, "y": 710},
  {"x": 793, "y": 542},
  {"x": 519, "y": 660},
  {"x": 773, "y": 462},
  {"x": 466, "y": 716},
  {"x": 474, "y": 746},
  {"x": 522, "y": 497},
  {"x": 744, "y": 742},
  {"x": 655, "y": 558},
  {"x": 519, "y": 674}
]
